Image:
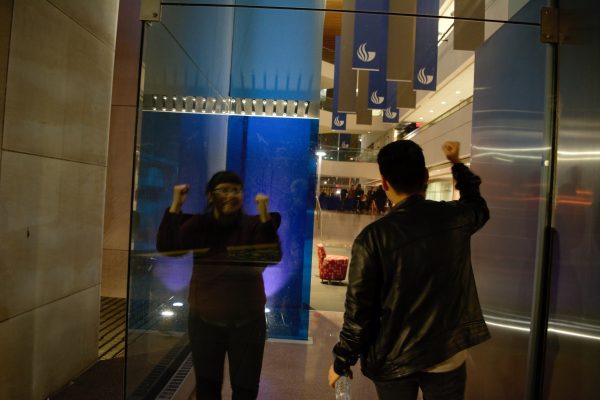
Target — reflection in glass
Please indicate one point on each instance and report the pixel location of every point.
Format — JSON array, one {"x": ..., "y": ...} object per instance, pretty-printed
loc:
[{"x": 227, "y": 295}]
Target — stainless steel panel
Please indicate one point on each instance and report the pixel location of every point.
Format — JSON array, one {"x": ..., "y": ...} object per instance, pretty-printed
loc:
[
  {"x": 508, "y": 153},
  {"x": 573, "y": 353}
]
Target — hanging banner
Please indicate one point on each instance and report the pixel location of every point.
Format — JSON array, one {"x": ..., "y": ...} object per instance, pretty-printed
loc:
[
  {"x": 401, "y": 41},
  {"x": 348, "y": 77},
  {"x": 469, "y": 35},
  {"x": 377, "y": 90},
  {"x": 391, "y": 94},
  {"x": 391, "y": 114},
  {"x": 370, "y": 35},
  {"x": 364, "y": 116},
  {"x": 338, "y": 120},
  {"x": 406, "y": 96},
  {"x": 426, "y": 50}
]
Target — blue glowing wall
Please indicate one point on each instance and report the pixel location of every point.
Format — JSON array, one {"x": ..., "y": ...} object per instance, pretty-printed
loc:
[
  {"x": 273, "y": 155},
  {"x": 276, "y": 157}
]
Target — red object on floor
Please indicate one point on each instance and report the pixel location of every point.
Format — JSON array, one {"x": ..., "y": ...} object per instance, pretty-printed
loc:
[{"x": 331, "y": 268}]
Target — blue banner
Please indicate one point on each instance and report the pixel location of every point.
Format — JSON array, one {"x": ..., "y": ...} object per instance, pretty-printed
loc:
[
  {"x": 391, "y": 94},
  {"x": 391, "y": 115},
  {"x": 338, "y": 120},
  {"x": 370, "y": 35},
  {"x": 377, "y": 90},
  {"x": 426, "y": 50}
]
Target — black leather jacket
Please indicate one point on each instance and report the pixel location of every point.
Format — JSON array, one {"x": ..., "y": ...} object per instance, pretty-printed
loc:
[{"x": 411, "y": 301}]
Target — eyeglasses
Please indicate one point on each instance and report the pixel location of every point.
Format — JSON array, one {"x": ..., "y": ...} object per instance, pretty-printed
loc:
[{"x": 234, "y": 191}]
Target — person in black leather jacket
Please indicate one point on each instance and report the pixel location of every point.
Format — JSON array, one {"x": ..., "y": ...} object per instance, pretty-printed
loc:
[{"x": 411, "y": 307}]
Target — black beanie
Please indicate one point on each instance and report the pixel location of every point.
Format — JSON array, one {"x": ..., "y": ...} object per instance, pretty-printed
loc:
[{"x": 223, "y": 177}]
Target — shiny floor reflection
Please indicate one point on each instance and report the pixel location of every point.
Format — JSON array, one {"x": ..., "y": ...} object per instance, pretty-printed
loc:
[{"x": 299, "y": 370}]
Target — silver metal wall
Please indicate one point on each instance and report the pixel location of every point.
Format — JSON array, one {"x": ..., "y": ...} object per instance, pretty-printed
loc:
[
  {"x": 573, "y": 350},
  {"x": 508, "y": 152}
]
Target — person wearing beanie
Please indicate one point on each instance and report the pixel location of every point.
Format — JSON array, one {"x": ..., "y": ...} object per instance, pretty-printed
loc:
[{"x": 226, "y": 295}]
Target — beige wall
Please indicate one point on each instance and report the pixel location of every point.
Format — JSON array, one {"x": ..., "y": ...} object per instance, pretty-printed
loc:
[
  {"x": 54, "y": 136},
  {"x": 120, "y": 153}
]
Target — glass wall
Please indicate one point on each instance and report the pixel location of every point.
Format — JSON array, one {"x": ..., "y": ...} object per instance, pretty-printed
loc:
[{"x": 234, "y": 85}]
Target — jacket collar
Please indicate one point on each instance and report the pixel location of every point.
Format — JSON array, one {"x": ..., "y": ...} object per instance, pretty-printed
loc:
[{"x": 412, "y": 199}]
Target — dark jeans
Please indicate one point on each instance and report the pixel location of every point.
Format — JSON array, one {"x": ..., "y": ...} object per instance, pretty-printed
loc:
[
  {"x": 244, "y": 347},
  {"x": 435, "y": 386}
]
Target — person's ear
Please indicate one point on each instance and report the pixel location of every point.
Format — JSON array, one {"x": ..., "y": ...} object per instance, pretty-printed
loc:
[
  {"x": 385, "y": 184},
  {"x": 210, "y": 198},
  {"x": 426, "y": 177}
]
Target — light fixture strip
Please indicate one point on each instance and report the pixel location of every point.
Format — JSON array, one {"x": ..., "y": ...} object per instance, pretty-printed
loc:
[{"x": 231, "y": 106}]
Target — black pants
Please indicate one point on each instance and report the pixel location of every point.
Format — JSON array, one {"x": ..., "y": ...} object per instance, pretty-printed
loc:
[
  {"x": 435, "y": 386},
  {"x": 244, "y": 347}
]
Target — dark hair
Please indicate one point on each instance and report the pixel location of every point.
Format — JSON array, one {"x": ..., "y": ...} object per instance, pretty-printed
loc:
[
  {"x": 223, "y": 177},
  {"x": 402, "y": 164}
]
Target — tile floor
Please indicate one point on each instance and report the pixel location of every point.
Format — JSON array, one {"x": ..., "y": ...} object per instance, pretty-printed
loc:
[{"x": 299, "y": 370}]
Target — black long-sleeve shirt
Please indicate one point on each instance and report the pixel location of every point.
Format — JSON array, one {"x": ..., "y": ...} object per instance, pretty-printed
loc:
[{"x": 227, "y": 284}]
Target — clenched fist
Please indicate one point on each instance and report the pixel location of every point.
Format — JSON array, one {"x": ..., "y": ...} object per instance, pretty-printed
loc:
[
  {"x": 180, "y": 193},
  {"x": 262, "y": 205},
  {"x": 451, "y": 150}
]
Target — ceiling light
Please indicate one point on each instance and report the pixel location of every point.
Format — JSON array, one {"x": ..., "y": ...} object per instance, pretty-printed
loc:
[
  {"x": 443, "y": 102},
  {"x": 420, "y": 118},
  {"x": 431, "y": 111},
  {"x": 457, "y": 92}
]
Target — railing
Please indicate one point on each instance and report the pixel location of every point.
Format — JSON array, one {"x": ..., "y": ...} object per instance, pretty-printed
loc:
[{"x": 334, "y": 153}]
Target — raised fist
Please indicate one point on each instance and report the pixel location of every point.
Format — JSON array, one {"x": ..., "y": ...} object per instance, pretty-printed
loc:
[
  {"x": 180, "y": 193},
  {"x": 262, "y": 205},
  {"x": 451, "y": 150}
]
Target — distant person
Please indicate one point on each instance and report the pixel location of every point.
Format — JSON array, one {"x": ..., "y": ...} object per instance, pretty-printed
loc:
[
  {"x": 358, "y": 194},
  {"x": 411, "y": 309},
  {"x": 380, "y": 199},
  {"x": 370, "y": 200},
  {"x": 343, "y": 197},
  {"x": 227, "y": 292}
]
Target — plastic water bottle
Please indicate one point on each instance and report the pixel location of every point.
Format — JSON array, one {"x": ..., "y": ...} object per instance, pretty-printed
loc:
[{"x": 342, "y": 388}]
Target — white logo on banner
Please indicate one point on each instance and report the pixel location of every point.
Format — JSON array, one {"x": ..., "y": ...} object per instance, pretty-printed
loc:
[
  {"x": 423, "y": 78},
  {"x": 376, "y": 99},
  {"x": 337, "y": 122},
  {"x": 364, "y": 55},
  {"x": 389, "y": 114}
]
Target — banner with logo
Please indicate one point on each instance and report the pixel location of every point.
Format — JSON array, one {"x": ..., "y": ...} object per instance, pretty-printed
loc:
[
  {"x": 426, "y": 50},
  {"x": 338, "y": 120},
  {"x": 370, "y": 35},
  {"x": 391, "y": 113},
  {"x": 377, "y": 90}
]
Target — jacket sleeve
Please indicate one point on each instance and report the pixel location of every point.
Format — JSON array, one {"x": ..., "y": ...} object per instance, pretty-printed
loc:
[
  {"x": 169, "y": 238},
  {"x": 470, "y": 197},
  {"x": 361, "y": 308}
]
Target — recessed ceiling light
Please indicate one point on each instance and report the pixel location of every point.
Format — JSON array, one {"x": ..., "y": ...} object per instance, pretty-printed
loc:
[
  {"x": 443, "y": 102},
  {"x": 457, "y": 92},
  {"x": 420, "y": 117},
  {"x": 431, "y": 111}
]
